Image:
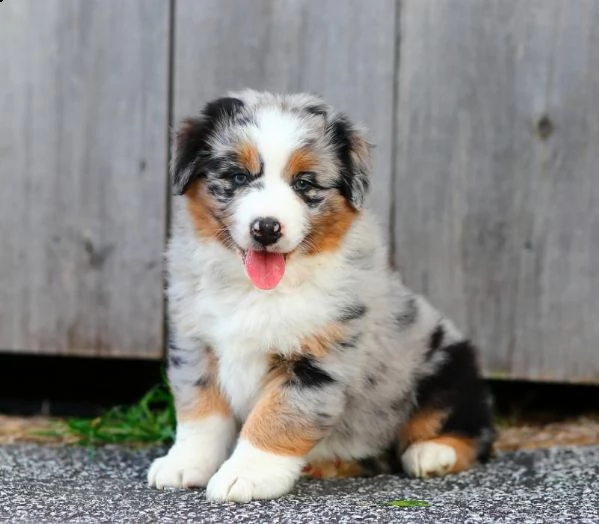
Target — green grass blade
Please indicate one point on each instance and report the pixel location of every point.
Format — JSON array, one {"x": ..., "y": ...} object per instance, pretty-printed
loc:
[
  {"x": 151, "y": 420},
  {"x": 406, "y": 503}
]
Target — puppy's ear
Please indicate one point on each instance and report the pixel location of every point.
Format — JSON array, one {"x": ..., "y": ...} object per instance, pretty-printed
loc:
[
  {"x": 191, "y": 144},
  {"x": 354, "y": 157},
  {"x": 188, "y": 144}
]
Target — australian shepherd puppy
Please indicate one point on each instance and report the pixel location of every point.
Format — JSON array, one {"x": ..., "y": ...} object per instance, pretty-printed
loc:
[{"x": 294, "y": 348}]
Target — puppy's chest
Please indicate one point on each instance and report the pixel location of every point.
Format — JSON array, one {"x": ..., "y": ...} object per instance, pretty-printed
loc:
[
  {"x": 246, "y": 339},
  {"x": 245, "y": 322},
  {"x": 246, "y": 328}
]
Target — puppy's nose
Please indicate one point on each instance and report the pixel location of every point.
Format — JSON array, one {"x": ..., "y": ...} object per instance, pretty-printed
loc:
[{"x": 266, "y": 230}]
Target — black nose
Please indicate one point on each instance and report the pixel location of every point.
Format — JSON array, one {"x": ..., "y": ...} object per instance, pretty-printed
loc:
[{"x": 266, "y": 230}]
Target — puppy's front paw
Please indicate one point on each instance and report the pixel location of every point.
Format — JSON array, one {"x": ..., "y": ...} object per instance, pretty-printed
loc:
[
  {"x": 428, "y": 459},
  {"x": 252, "y": 474},
  {"x": 181, "y": 468},
  {"x": 198, "y": 452}
]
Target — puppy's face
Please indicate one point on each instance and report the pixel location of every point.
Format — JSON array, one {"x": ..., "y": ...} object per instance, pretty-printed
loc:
[{"x": 270, "y": 177}]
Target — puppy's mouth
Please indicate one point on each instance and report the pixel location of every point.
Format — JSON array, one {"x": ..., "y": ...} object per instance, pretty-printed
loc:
[{"x": 264, "y": 268}]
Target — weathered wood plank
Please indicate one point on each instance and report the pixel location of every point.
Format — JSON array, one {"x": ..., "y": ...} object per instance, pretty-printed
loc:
[
  {"x": 341, "y": 49},
  {"x": 83, "y": 100},
  {"x": 497, "y": 188}
]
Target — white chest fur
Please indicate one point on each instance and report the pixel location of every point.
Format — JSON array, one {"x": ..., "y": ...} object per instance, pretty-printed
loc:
[
  {"x": 241, "y": 376},
  {"x": 249, "y": 329}
]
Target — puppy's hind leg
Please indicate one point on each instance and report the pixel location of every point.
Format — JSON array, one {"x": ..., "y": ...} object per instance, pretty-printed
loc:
[{"x": 451, "y": 427}]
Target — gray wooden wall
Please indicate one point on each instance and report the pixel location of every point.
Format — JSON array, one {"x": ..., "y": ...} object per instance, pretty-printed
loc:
[{"x": 485, "y": 114}]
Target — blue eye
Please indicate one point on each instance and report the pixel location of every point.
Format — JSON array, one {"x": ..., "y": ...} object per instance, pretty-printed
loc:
[
  {"x": 240, "y": 179},
  {"x": 301, "y": 184}
]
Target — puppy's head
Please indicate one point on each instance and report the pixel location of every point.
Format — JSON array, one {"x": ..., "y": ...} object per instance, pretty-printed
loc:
[{"x": 269, "y": 176}]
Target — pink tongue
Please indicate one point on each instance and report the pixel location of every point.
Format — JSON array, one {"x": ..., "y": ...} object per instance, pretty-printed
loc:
[{"x": 265, "y": 269}]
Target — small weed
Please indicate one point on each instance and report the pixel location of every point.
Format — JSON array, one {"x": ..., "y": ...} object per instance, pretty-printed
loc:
[
  {"x": 408, "y": 503},
  {"x": 150, "y": 421}
]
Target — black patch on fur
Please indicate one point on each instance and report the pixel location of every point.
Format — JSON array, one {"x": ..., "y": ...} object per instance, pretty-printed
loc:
[
  {"x": 317, "y": 110},
  {"x": 408, "y": 315},
  {"x": 370, "y": 466},
  {"x": 220, "y": 192},
  {"x": 385, "y": 463},
  {"x": 215, "y": 164},
  {"x": 485, "y": 445},
  {"x": 398, "y": 404},
  {"x": 325, "y": 420},
  {"x": 371, "y": 381},
  {"x": 457, "y": 386},
  {"x": 307, "y": 373},
  {"x": 352, "y": 312},
  {"x": 312, "y": 196},
  {"x": 202, "y": 382},
  {"x": 226, "y": 107},
  {"x": 311, "y": 201},
  {"x": 321, "y": 415},
  {"x": 342, "y": 134},
  {"x": 176, "y": 356},
  {"x": 192, "y": 152},
  {"x": 436, "y": 340},
  {"x": 349, "y": 343},
  {"x": 175, "y": 360}
]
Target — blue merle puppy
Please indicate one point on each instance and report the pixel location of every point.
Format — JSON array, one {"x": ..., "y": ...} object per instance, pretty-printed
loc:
[{"x": 295, "y": 348}]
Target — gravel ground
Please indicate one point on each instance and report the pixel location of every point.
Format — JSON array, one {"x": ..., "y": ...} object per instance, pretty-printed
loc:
[{"x": 66, "y": 484}]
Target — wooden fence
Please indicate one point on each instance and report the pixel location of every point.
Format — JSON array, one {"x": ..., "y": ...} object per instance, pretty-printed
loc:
[{"x": 485, "y": 114}]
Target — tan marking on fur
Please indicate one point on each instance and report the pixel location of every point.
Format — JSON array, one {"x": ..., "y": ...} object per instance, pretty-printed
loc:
[
  {"x": 202, "y": 211},
  {"x": 209, "y": 401},
  {"x": 209, "y": 398},
  {"x": 336, "y": 468},
  {"x": 424, "y": 425},
  {"x": 275, "y": 427},
  {"x": 319, "y": 344},
  {"x": 250, "y": 158},
  {"x": 465, "y": 450},
  {"x": 301, "y": 160},
  {"x": 328, "y": 229}
]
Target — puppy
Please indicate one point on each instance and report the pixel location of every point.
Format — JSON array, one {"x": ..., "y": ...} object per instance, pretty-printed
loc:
[{"x": 294, "y": 347}]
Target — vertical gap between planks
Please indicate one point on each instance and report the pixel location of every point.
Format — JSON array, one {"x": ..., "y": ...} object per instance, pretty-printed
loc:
[
  {"x": 394, "y": 130},
  {"x": 170, "y": 80}
]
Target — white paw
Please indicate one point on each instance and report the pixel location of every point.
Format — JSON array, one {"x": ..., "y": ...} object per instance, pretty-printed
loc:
[
  {"x": 199, "y": 450},
  {"x": 252, "y": 474},
  {"x": 428, "y": 459},
  {"x": 180, "y": 469}
]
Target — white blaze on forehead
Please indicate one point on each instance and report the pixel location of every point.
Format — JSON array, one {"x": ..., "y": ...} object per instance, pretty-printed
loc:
[{"x": 276, "y": 134}]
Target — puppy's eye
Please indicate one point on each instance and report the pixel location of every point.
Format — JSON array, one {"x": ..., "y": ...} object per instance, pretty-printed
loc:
[
  {"x": 301, "y": 185},
  {"x": 240, "y": 179}
]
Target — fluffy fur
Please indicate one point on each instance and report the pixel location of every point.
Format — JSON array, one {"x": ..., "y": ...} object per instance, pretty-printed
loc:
[{"x": 338, "y": 370}]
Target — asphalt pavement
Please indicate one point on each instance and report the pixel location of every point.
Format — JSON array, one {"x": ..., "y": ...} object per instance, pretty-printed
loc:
[{"x": 67, "y": 484}]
